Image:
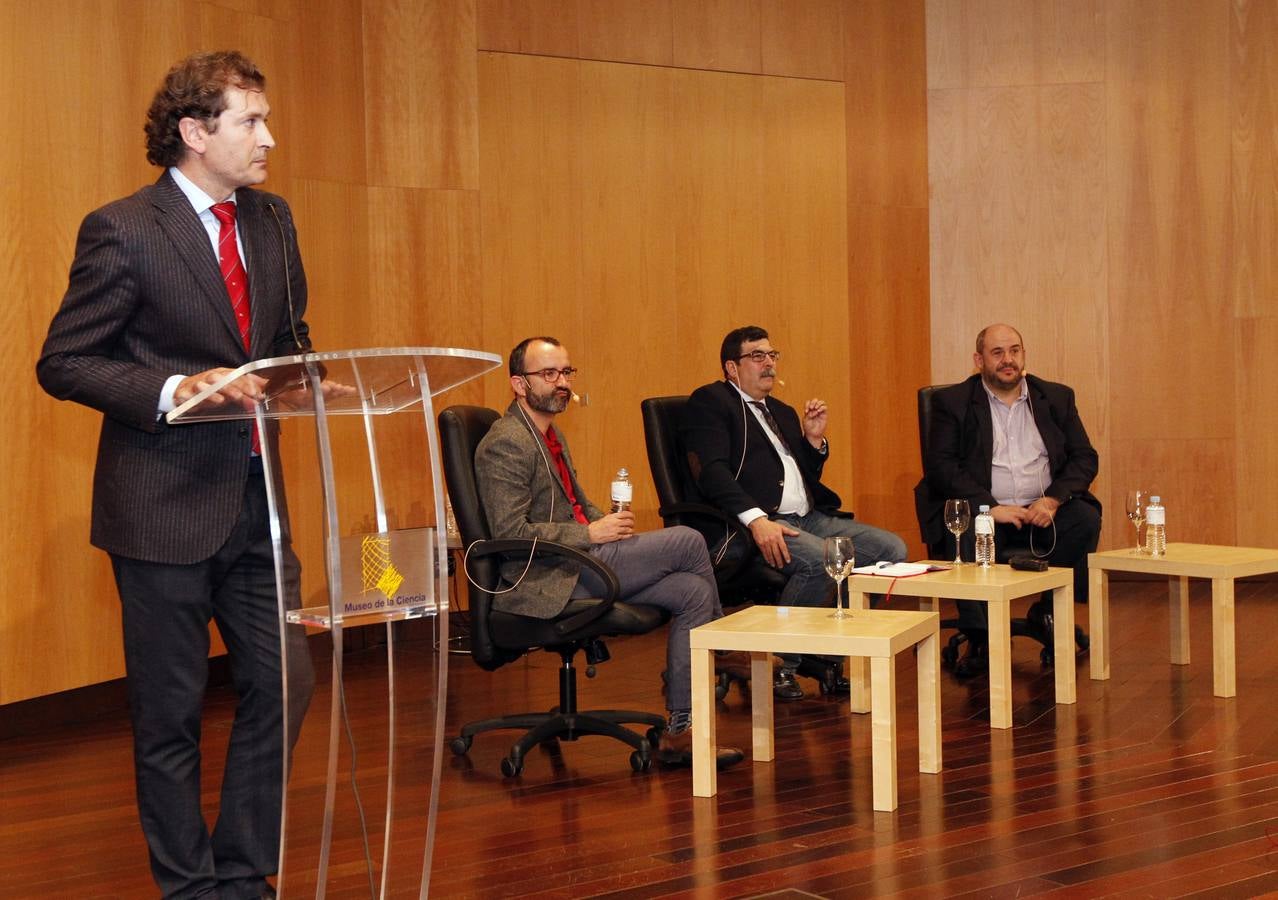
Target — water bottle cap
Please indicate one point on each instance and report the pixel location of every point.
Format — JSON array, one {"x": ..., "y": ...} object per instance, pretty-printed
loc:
[
  {"x": 984, "y": 508},
  {"x": 1155, "y": 499},
  {"x": 622, "y": 474}
]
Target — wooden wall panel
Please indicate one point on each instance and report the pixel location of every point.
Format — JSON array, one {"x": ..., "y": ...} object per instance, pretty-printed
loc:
[
  {"x": 994, "y": 43},
  {"x": 60, "y": 595},
  {"x": 650, "y": 164},
  {"x": 888, "y": 291},
  {"x": 1256, "y": 431},
  {"x": 1168, "y": 129},
  {"x": 1254, "y": 101},
  {"x": 886, "y": 94},
  {"x": 546, "y": 27},
  {"x": 803, "y": 38},
  {"x": 640, "y": 31},
  {"x": 1156, "y": 210},
  {"x": 322, "y": 45},
  {"x": 419, "y": 93},
  {"x": 719, "y": 34}
]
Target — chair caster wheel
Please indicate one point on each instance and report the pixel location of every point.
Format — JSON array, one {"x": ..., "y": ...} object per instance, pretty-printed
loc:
[
  {"x": 639, "y": 762},
  {"x": 653, "y": 735},
  {"x": 510, "y": 767},
  {"x": 459, "y": 745}
]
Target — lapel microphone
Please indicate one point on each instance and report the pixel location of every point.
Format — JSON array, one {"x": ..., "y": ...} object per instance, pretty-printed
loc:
[{"x": 288, "y": 283}]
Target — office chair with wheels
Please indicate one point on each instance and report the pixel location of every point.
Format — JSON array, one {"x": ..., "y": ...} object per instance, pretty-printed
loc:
[
  {"x": 498, "y": 638},
  {"x": 1020, "y": 627}
]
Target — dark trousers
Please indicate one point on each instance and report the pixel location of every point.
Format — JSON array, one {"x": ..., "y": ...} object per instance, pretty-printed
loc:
[
  {"x": 1078, "y": 527},
  {"x": 166, "y": 611}
]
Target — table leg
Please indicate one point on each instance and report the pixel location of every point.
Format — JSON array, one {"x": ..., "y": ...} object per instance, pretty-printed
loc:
[
  {"x": 1063, "y": 615},
  {"x": 858, "y": 666},
  {"x": 761, "y": 706},
  {"x": 1222, "y": 637},
  {"x": 1178, "y": 609},
  {"x": 704, "y": 774},
  {"x": 883, "y": 730},
  {"x": 929, "y": 669},
  {"x": 1000, "y": 650},
  {"x": 1098, "y": 619}
]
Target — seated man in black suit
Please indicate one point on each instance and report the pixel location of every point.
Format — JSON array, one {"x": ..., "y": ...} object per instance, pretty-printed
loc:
[
  {"x": 755, "y": 458},
  {"x": 1014, "y": 442}
]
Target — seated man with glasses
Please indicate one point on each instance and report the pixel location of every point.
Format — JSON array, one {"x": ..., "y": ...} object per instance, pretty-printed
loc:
[
  {"x": 529, "y": 489},
  {"x": 756, "y": 458}
]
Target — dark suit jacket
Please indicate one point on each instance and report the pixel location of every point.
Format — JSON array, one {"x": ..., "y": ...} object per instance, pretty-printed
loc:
[
  {"x": 719, "y": 435},
  {"x": 146, "y": 301},
  {"x": 960, "y": 450},
  {"x": 524, "y": 498}
]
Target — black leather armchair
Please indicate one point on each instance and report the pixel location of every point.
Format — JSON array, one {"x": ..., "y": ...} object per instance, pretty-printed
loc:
[
  {"x": 743, "y": 579},
  {"x": 498, "y": 638}
]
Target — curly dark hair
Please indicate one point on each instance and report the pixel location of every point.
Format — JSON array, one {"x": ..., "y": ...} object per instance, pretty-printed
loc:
[{"x": 195, "y": 88}]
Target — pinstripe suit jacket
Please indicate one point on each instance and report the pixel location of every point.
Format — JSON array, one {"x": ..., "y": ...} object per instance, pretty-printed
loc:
[
  {"x": 522, "y": 499},
  {"x": 146, "y": 301}
]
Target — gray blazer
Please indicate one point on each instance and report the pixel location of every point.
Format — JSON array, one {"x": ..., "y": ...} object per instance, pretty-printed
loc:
[
  {"x": 146, "y": 301},
  {"x": 519, "y": 485}
]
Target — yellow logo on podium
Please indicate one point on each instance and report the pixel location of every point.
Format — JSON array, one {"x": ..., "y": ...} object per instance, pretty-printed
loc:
[{"x": 378, "y": 570}]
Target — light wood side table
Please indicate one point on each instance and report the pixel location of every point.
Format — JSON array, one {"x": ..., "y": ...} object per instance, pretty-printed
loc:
[
  {"x": 1182, "y": 562},
  {"x": 876, "y": 634},
  {"x": 996, "y": 587}
]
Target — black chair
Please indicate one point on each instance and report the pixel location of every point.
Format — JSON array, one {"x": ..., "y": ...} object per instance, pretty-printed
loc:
[
  {"x": 743, "y": 579},
  {"x": 945, "y": 549},
  {"x": 498, "y": 638}
]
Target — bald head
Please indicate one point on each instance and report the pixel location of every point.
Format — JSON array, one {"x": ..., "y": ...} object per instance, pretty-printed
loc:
[{"x": 999, "y": 328}]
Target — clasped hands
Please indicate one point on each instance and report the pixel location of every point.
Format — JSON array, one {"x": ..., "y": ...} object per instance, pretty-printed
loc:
[{"x": 1039, "y": 513}]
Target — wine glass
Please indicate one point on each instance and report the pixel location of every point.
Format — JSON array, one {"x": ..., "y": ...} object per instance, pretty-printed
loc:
[
  {"x": 1136, "y": 501},
  {"x": 840, "y": 557},
  {"x": 958, "y": 515}
]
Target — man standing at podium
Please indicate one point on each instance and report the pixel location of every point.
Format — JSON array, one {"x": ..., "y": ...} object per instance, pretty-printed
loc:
[{"x": 171, "y": 288}]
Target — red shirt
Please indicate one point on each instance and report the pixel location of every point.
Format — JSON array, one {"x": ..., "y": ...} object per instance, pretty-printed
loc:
[{"x": 557, "y": 454}]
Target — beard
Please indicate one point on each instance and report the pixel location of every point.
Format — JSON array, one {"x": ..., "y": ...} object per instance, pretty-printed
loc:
[{"x": 554, "y": 402}]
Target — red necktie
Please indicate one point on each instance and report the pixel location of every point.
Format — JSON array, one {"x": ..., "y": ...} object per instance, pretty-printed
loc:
[{"x": 235, "y": 279}]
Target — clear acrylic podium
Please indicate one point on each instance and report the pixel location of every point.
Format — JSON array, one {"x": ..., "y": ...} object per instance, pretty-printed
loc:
[{"x": 379, "y": 577}]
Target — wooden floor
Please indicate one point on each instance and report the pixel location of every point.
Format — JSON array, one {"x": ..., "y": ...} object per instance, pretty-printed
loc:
[{"x": 1149, "y": 786}]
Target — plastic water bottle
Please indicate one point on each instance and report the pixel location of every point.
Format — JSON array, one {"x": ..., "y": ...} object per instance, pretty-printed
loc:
[
  {"x": 984, "y": 538},
  {"x": 622, "y": 491},
  {"x": 1155, "y": 527}
]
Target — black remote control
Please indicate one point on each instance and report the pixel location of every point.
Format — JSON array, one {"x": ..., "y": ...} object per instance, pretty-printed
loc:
[{"x": 1026, "y": 563}]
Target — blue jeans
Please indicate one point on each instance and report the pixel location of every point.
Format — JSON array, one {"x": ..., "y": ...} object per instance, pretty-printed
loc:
[
  {"x": 809, "y": 585},
  {"x": 670, "y": 569}
]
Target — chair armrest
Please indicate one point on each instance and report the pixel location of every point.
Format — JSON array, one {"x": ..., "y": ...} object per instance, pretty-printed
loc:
[{"x": 550, "y": 548}]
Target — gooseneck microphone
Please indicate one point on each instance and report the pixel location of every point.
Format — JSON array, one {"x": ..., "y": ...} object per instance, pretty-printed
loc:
[{"x": 288, "y": 284}]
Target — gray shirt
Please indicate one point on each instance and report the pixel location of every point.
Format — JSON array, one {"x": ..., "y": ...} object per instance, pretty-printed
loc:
[{"x": 1020, "y": 472}]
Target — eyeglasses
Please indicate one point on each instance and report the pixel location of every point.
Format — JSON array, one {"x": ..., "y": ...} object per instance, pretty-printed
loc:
[
  {"x": 761, "y": 356},
  {"x": 550, "y": 376}
]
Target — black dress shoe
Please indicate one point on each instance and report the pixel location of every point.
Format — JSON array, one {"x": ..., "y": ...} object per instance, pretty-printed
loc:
[
  {"x": 675, "y": 751},
  {"x": 784, "y": 687},
  {"x": 975, "y": 661},
  {"x": 828, "y": 672},
  {"x": 1041, "y": 619}
]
